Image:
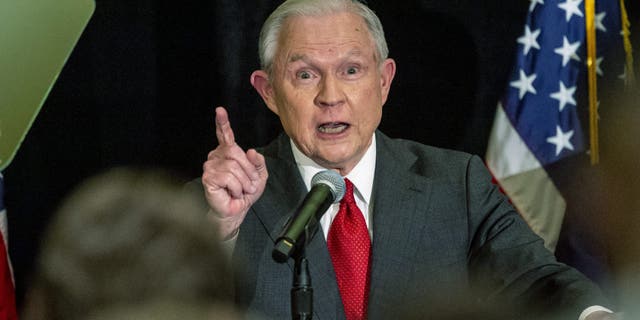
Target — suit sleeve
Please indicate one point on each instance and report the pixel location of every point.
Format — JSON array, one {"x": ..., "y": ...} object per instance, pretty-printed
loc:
[{"x": 508, "y": 261}]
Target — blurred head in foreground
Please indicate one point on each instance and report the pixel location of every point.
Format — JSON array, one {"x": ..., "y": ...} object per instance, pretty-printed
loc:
[
  {"x": 128, "y": 239},
  {"x": 621, "y": 196}
]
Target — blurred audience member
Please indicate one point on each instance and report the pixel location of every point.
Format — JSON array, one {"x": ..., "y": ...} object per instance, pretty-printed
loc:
[
  {"x": 621, "y": 194},
  {"x": 165, "y": 309},
  {"x": 129, "y": 242}
]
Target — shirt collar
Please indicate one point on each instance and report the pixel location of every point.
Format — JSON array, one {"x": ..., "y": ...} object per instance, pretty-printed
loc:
[{"x": 361, "y": 176}]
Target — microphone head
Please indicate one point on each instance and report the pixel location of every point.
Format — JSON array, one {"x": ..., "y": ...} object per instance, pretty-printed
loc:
[{"x": 333, "y": 180}]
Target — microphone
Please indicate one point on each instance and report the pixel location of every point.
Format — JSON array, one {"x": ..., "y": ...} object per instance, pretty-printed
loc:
[{"x": 327, "y": 187}]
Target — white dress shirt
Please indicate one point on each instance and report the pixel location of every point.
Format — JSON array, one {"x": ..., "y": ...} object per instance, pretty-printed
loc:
[{"x": 361, "y": 176}]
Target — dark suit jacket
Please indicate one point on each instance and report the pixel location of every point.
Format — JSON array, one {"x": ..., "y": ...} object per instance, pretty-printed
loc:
[{"x": 444, "y": 238}]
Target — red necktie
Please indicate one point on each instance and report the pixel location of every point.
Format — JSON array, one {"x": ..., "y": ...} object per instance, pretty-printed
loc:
[{"x": 349, "y": 245}]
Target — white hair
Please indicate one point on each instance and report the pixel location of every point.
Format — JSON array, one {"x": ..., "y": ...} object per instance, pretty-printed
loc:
[{"x": 272, "y": 27}]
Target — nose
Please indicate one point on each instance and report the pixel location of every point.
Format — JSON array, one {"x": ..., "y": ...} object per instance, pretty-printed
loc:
[{"x": 330, "y": 92}]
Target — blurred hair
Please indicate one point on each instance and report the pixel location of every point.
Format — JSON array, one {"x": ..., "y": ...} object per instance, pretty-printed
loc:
[
  {"x": 620, "y": 220},
  {"x": 126, "y": 237},
  {"x": 272, "y": 27},
  {"x": 168, "y": 309}
]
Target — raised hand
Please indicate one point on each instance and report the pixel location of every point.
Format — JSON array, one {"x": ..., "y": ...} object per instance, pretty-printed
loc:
[{"x": 233, "y": 179}]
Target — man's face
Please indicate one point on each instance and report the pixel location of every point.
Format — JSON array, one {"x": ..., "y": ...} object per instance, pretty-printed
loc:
[{"x": 328, "y": 87}]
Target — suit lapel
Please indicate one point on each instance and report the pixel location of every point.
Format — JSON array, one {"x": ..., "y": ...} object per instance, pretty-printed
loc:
[
  {"x": 326, "y": 298},
  {"x": 284, "y": 192},
  {"x": 401, "y": 199},
  {"x": 284, "y": 189}
]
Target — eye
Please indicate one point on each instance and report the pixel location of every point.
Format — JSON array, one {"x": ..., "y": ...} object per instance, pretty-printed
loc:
[
  {"x": 304, "y": 75},
  {"x": 352, "y": 70}
]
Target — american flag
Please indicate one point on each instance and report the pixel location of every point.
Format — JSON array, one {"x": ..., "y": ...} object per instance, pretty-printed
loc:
[
  {"x": 7, "y": 292},
  {"x": 538, "y": 120}
]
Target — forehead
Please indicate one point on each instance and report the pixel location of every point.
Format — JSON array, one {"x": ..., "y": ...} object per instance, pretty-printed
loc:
[{"x": 326, "y": 33}]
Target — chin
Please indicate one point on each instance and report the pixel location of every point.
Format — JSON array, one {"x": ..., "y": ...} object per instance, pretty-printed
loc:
[{"x": 333, "y": 162}]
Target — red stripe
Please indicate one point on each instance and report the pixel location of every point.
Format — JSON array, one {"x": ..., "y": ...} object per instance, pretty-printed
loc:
[{"x": 7, "y": 291}]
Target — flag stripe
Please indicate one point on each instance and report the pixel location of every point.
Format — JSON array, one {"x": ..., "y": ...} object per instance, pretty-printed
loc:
[
  {"x": 523, "y": 179},
  {"x": 507, "y": 154},
  {"x": 7, "y": 290},
  {"x": 539, "y": 202}
]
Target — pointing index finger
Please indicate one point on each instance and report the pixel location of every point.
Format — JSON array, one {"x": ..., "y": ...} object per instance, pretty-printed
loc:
[{"x": 224, "y": 133}]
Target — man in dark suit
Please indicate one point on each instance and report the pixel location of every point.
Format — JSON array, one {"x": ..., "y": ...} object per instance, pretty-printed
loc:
[{"x": 425, "y": 227}]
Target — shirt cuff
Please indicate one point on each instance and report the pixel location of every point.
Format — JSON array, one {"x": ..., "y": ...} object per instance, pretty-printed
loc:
[
  {"x": 228, "y": 244},
  {"x": 591, "y": 310}
]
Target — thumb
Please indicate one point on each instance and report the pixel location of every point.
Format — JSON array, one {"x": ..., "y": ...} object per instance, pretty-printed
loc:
[{"x": 259, "y": 162}]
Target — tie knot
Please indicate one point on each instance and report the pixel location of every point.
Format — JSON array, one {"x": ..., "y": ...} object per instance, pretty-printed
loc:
[{"x": 348, "y": 193}]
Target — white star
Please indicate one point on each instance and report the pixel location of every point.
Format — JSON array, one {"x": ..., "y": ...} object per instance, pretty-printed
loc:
[
  {"x": 533, "y": 4},
  {"x": 529, "y": 39},
  {"x": 571, "y": 7},
  {"x": 625, "y": 33},
  {"x": 561, "y": 140},
  {"x": 524, "y": 84},
  {"x": 598, "y": 69},
  {"x": 599, "y": 21},
  {"x": 564, "y": 96},
  {"x": 623, "y": 76},
  {"x": 568, "y": 51}
]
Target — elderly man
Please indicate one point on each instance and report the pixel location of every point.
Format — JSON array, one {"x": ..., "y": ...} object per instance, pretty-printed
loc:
[{"x": 419, "y": 228}]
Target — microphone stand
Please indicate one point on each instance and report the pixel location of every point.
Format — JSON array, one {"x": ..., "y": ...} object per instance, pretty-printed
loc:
[
  {"x": 301, "y": 290},
  {"x": 327, "y": 186}
]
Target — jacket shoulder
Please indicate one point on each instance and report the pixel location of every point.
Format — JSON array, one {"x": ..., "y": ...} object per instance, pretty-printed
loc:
[{"x": 427, "y": 160}]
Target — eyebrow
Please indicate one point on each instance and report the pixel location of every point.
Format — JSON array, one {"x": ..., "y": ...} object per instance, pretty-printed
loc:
[
  {"x": 297, "y": 57},
  {"x": 305, "y": 58}
]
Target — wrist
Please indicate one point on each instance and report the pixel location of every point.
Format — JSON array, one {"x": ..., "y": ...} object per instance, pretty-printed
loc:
[{"x": 227, "y": 227}]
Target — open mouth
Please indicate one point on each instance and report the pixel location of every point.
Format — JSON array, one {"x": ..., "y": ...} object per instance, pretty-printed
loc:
[{"x": 333, "y": 127}]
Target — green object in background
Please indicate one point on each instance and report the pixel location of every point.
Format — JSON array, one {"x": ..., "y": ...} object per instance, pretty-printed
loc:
[{"x": 36, "y": 38}]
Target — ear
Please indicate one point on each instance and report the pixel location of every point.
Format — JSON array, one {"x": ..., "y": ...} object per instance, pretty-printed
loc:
[
  {"x": 260, "y": 81},
  {"x": 387, "y": 72}
]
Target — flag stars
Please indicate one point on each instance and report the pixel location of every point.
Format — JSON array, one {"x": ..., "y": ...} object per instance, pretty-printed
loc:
[
  {"x": 533, "y": 3},
  {"x": 571, "y": 7},
  {"x": 529, "y": 39},
  {"x": 623, "y": 76},
  {"x": 561, "y": 140},
  {"x": 600, "y": 21},
  {"x": 598, "y": 66},
  {"x": 564, "y": 96},
  {"x": 568, "y": 51},
  {"x": 625, "y": 33},
  {"x": 524, "y": 84}
]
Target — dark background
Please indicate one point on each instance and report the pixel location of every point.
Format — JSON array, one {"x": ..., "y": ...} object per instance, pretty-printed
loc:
[{"x": 141, "y": 86}]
